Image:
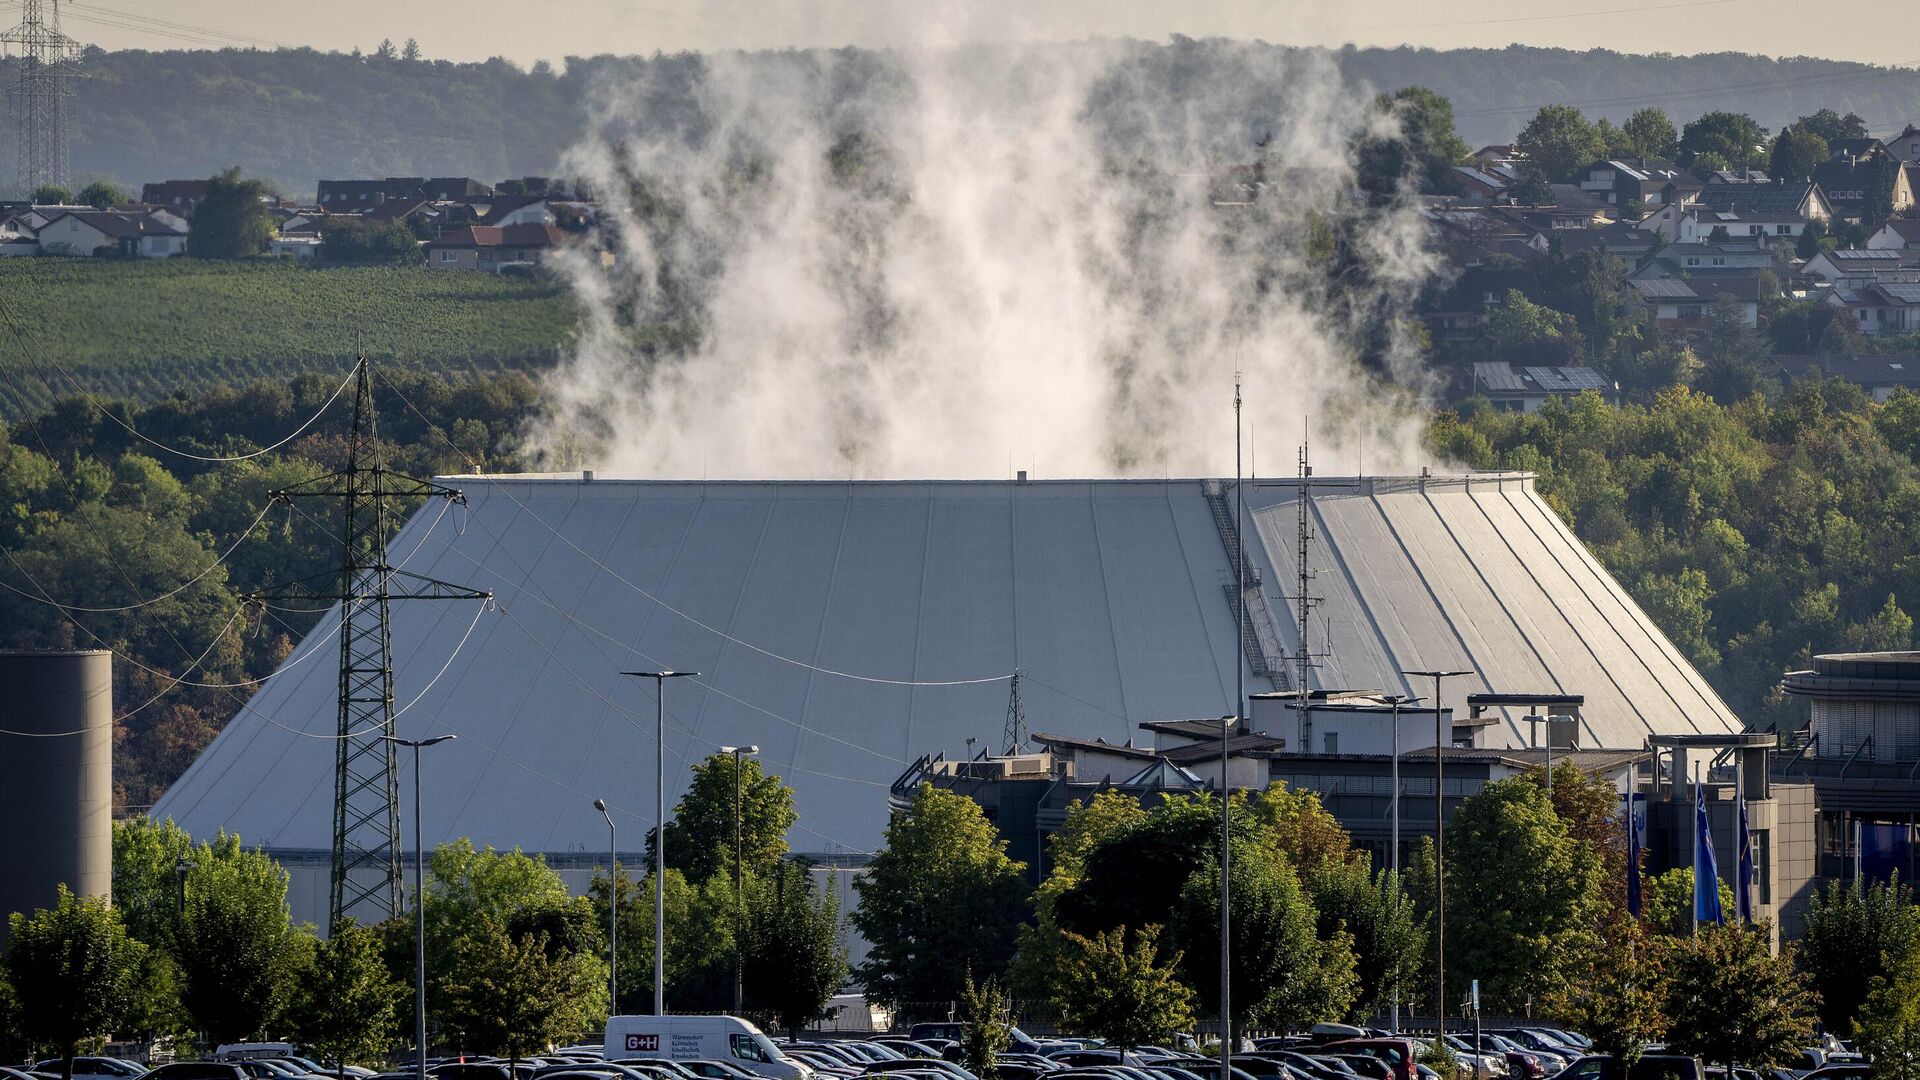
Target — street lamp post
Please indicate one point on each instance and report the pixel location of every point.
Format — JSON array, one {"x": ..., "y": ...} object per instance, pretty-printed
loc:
[
  {"x": 613, "y": 910},
  {"x": 419, "y": 904},
  {"x": 1227, "y": 724},
  {"x": 660, "y": 831},
  {"x": 1439, "y": 855},
  {"x": 1393, "y": 843},
  {"x": 739, "y": 904}
]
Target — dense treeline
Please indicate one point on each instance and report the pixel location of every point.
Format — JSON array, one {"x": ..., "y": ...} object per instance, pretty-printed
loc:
[
  {"x": 295, "y": 115},
  {"x": 92, "y": 517},
  {"x": 1754, "y": 534}
]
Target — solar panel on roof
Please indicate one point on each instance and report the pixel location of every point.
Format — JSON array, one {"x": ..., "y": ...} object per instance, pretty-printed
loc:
[
  {"x": 1906, "y": 294},
  {"x": 1665, "y": 289}
]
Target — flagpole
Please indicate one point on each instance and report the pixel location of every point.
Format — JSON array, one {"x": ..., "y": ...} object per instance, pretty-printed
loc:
[{"x": 1694, "y": 827}]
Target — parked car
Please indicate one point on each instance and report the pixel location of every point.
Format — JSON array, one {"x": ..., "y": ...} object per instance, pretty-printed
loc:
[
  {"x": 1851, "y": 1070},
  {"x": 1649, "y": 1067},
  {"x": 951, "y": 1031},
  {"x": 1396, "y": 1054},
  {"x": 91, "y": 1068},
  {"x": 196, "y": 1070},
  {"x": 1086, "y": 1058}
]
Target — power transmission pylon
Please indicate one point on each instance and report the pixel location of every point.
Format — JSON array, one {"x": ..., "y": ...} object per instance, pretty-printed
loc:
[
  {"x": 1016, "y": 735},
  {"x": 38, "y": 94},
  {"x": 366, "y": 814}
]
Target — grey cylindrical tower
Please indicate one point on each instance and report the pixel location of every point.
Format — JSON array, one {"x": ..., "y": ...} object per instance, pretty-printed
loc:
[{"x": 56, "y": 777}]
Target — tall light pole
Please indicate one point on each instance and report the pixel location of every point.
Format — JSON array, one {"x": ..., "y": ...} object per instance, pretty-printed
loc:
[
  {"x": 613, "y": 910},
  {"x": 419, "y": 905},
  {"x": 660, "y": 830},
  {"x": 739, "y": 904},
  {"x": 1439, "y": 855},
  {"x": 1226, "y": 879},
  {"x": 1393, "y": 843}
]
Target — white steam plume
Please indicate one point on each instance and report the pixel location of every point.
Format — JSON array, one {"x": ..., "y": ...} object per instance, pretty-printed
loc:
[{"x": 961, "y": 259}]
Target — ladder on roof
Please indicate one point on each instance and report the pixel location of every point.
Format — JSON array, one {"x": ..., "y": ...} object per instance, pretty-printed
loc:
[{"x": 1258, "y": 640}]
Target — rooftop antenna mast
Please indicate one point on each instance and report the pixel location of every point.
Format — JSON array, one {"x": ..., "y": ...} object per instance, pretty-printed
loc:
[
  {"x": 1305, "y": 659},
  {"x": 38, "y": 94},
  {"x": 1016, "y": 735},
  {"x": 366, "y": 796}
]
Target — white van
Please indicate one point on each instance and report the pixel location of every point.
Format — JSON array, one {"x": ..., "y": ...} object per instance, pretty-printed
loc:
[
  {"x": 715, "y": 1038},
  {"x": 248, "y": 1051}
]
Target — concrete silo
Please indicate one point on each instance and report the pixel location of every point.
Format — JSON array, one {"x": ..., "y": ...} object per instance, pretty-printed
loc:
[{"x": 56, "y": 776}]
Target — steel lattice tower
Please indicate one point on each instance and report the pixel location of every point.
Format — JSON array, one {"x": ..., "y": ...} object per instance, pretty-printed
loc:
[
  {"x": 366, "y": 803},
  {"x": 37, "y": 96}
]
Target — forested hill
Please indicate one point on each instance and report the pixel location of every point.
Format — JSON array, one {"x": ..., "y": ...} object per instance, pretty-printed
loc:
[{"x": 296, "y": 115}]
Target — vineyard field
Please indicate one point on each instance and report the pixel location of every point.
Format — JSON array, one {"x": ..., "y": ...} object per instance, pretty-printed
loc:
[{"x": 144, "y": 330}]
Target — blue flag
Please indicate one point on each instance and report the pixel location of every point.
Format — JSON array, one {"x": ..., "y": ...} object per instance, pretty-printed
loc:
[
  {"x": 1743, "y": 878},
  {"x": 1633, "y": 858},
  {"x": 1706, "y": 873}
]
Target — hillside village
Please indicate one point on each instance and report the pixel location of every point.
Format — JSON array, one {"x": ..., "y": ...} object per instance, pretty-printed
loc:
[{"x": 1579, "y": 257}]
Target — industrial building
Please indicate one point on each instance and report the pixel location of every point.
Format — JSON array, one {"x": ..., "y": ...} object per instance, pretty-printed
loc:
[
  {"x": 1859, "y": 748},
  {"x": 56, "y": 726},
  {"x": 849, "y": 628}
]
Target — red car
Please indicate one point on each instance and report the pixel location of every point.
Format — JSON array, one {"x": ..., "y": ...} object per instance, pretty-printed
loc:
[{"x": 1397, "y": 1053}]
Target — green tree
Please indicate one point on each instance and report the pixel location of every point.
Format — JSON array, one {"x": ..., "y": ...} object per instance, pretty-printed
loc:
[
  {"x": 1613, "y": 991},
  {"x": 1115, "y": 986},
  {"x": 148, "y": 857},
  {"x": 1420, "y": 151},
  {"x": 1523, "y": 331},
  {"x": 1730, "y": 1001},
  {"x": 792, "y": 959},
  {"x": 79, "y": 970},
  {"x": 1888, "y": 1025},
  {"x": 101, "y": 194},
  {"x": 700, "y": 834},
  {"x": 232, "y": 221},
  {"x": 702, "y": 927},
  {"x": 1723, "y": 140},
  {"x": 238, "y": 951},
  {"x": 52, "y": 195},
  {"x": 1558, "y": 141},
  {"x": 1831, "y": 127},
  {"x": 346, "y": 1006},
  {"x": 1523, "y": 894},
  {"x": 1795, "y": 153},
  {"x": 509, "y": 995},
  {"x": 982, "y": 1009},
  {"x": 355, "y": 241},
  {"x": 1389, "y": 934},
  {"x": 1651, "y": 134},
  {"x": 941, "y": 898},
  {"x": 1852, "y": 934},
  {"x": 1038, "y": 959},
  {"x": 1283, "y": 974}
]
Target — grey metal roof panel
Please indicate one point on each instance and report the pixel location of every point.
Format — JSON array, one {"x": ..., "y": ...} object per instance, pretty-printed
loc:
[
  {"x": 1498, "y": 375},
  {"x": 805, "y": 604}
]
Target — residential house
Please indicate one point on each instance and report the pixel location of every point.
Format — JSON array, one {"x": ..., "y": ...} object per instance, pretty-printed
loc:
[
  {"x": 1879, "y": 307},
  {"x": 1488, "y": 182},
  {"x": 493, "y": 247},
  {"x": 1525, "y": 389},
  {"x": 1847, "y": 183},
  {"x": 1646, "y": 182},
  {"x": 1906, "y": 145},
  {"x": 15, "y": 238},
  {"x": 1471, "y": 235},
  {"x": 1879, "y": 374},
  {"x": 180, "y": 196},
  {"x": 1498, "y": 154},
  {"x": 1459, "y": 311},
  {"x": 1696, "y": 223},
  {"x": 1690, "y": 260},
  {"x": 1896, "y": 235},
  {"x": 110, "y": 232},
  {"x": 1803, "y": 198},
  {"x": 1686, "y": 305},
  {"x": 360, "y": 195},
  {"x": 1857, "y": 266}
]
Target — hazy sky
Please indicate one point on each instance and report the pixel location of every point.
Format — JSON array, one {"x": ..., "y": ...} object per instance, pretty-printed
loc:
[{"x": 529, "y": 30}]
